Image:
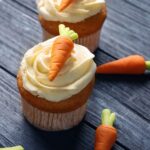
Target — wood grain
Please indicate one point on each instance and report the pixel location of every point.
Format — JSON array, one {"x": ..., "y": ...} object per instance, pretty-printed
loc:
[
  {"x": 14, "y": 129},
  {"x": 125, "y": 32}
]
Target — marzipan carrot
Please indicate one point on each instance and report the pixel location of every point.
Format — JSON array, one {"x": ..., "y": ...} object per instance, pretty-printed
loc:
[
  {"x": 134, "y": 64},
  {"x": 13, "y": 148},
  {"x": 64, "y": 4},
  {"x": 106, "y": 134},
  {"x": 61, "y": 50}
]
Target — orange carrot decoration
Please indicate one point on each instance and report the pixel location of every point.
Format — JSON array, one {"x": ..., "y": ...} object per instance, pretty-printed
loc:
[
  {"x": 106, "y": 134},
  {"x": 134, "y": 64},
  {"x": 64, "y": 4},
  {"x": 61, "y": 50}
]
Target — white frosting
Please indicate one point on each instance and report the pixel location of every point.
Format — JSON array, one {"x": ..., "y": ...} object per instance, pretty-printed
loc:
[
  {"x": 76, "y": 12},
  {"x": 77, "y": 72}
]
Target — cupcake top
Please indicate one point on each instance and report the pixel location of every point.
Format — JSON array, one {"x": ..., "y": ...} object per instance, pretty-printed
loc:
[
  {"x": 76, "y": 73},
  {"x": 77, "y": 11}
]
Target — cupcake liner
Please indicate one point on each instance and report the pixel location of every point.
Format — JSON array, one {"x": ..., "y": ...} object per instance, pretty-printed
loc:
[
  {"x": 52, "y": 121},
  {"x": 90, "y": 41}
]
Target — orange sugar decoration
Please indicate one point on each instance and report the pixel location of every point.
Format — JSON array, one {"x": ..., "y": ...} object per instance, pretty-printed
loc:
[
  {"x": 64, "y": 4},
  {"x": 106, "y": 134},
  {"x": 133, "y": 64},
  {"x": 61, "y": 50}
]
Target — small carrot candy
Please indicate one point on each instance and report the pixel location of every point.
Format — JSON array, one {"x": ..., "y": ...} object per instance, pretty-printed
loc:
[
  {"x": 64, "y": 4},
  {"x": 13, "y": 148},
  {"x": 61, "y": 50},
  {"x": 134, "y": 64},
  {"x": 106, "y": 134}
]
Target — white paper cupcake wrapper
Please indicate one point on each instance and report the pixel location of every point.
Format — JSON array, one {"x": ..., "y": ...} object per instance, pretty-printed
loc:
[
  {"x": 90, "y": 41},
  {"x": 52, "y": 121}
]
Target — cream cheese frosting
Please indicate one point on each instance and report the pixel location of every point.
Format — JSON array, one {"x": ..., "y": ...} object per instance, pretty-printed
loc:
[
  {"x": 77, "y": 72},
  {"x": 76, "y": 12}
]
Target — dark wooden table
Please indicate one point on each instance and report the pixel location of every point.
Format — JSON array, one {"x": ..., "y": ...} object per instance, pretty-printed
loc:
[{"x": 126, "y": 31}]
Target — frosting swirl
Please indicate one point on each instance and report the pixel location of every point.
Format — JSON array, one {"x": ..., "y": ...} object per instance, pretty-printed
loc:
[
  {"x": 77, "y": 72},
  {"x": 76, "y": 12}
]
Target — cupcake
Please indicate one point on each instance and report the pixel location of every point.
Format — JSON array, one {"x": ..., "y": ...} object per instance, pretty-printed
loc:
[
  {"x": 86, "y": 17},
  {"x": 55, "y": 80}
]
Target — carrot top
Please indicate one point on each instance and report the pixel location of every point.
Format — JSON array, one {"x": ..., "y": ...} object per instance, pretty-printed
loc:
[
  {"x": 106, "y": 134},
  {"x": 65, "y": 31},
  {"x": 61, "y": 50},
  {"x": 108, "y": 117},
  {"x": 13, "y": 148},
  {"x": 147, "y": 63}
]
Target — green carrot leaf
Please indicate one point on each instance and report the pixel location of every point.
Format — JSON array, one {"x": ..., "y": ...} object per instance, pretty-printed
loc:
[
  {"x": 66, "y": 31},
  {"x": 107, "y": 117},
  {"x": 112, "y": 119},
  {"x": 147, "y": 63},
  {"x": 13, "y": 148}
]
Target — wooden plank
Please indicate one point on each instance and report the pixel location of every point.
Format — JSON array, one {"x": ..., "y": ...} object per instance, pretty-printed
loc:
[
  {"x": 129, "y": 97},
  {"x": 17, "y": 34},
  {"x": 15, "y": 128},
  {"x": 5, "y": 142},
  {"x": 96, "y": 117},
  {"x": 124, "y": 37},
  {"x": 25, "y": 7},
  {"x": 31, "y": 5},
  {"x": 126, "y": 30},
  {"x": 131, "y": 91},
  {"x": 137, "y": 11},
  {"x": 13, "y": 49},
  {"x": 129, "y": 125},
  {"x": 14, "y": 54}
]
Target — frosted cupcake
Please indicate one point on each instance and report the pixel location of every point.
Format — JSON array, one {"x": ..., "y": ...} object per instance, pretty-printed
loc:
[
  {"x": 55, "y": 80},
  {"x": 86, "y": 17}
]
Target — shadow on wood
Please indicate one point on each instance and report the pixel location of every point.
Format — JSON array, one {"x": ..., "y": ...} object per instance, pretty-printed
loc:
[{"x": 130, "y": 79}]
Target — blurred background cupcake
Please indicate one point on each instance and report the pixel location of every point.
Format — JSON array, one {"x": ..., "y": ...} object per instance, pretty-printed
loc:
[
  {"x": 54, "y": 94},
  {"x": 86, "y": 17}
]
